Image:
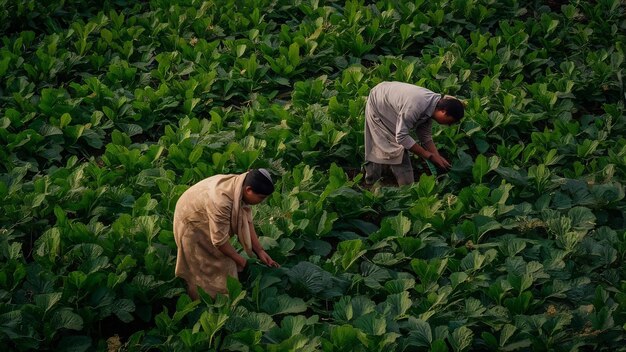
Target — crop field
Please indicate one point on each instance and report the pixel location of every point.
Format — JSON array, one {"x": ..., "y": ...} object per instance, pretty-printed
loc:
[{"x": 110, "y": 110}]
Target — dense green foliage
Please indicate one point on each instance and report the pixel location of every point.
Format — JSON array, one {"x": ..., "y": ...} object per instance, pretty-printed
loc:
[{"x": 108, "y": 112}]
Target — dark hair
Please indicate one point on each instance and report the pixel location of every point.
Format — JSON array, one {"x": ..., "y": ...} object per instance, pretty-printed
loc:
[
  {"x": 260, "y": 181},
  {"x": 452, "y": 106}
]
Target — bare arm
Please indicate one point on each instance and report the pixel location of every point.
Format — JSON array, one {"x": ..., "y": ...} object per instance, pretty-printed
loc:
[
  {"x": 258, "y": 249},
  {"x": 431, "y": 153},
  {"x": 436, "y": 157},
  {"x": 431, "y": 147},
  {"x": 420, "y": 151},
  {"x": 228, "y": 250}
]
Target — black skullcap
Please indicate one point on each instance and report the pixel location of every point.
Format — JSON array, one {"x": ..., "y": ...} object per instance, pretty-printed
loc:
[{"x": 260, "y": 181}]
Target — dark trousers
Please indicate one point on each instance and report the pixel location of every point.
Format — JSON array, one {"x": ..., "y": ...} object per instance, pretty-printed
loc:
[{"x": 403, "y": 171}]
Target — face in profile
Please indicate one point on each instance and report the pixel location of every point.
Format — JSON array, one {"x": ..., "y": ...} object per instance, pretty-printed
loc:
[
  {"x": 442, "y": 118},
  {"x": 252, "y": 198}
]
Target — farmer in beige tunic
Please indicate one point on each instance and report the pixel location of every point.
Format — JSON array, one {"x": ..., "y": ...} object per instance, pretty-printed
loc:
[
  {"x": 205, "y": 218},
  {"x": 393, "y": 110}
]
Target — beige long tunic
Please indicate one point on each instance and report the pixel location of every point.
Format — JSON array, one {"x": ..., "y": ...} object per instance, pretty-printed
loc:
[
  {"x": 205, "y": 217},
  {"x": 393, "y": 110}
]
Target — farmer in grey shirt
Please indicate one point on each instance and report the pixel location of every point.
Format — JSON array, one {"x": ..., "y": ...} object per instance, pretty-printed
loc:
[{"x": 393, "y": 110}]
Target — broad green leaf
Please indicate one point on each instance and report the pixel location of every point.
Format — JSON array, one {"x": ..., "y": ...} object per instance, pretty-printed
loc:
[
  {"x": 241, "y": 49},
  {"x": 602, "y": 319},
  {"x": 480, "y": 168},
  {"x": 512, "y": 246},
  {"x": 285, "y": 245},
  {"x": 49, "y": 244},
  {"x": 66, "y": 319},
  {"x": 507, "y": 331},
  {"x": 461, "y": 339},
  {"x": 74, "y": 132},
  {"x": 435, "y": 300},
  {"x": 14, "y": 251},
  {"x": 49, "y": 131},
  {"x": 588, "y": 147},
  {"x": 399, "y": 304},
  {"x": 294, "y": 54},
  {"x": 476, "y": 261},
  {"x": 120, "y": 138},
  {"x": 195, "y": 154},
  {"x": 325, "y": 224},
  {"x": 374, "y": 275},
  {"x": 520, "y": 304},
  {"x": 76, "y": 278},
  {"x": 405, "y": 31},
  {"x": 86, "y": 251},
  {"x": 439, "y": 345},
  {"x": 541, "y": 177},
  {"x": 582, "y": 218},
  {"x": 490, "y": 340},
  {"x": 184, "y": 306},
  {"x": 337, "y": 177},
  {"x": 428, "y": 271},
  {"x": 362, "y": 305},
  {"x": 425, "y": 185},
  {"x": 310, "y": 277},
  {"x": 410, "y": 245},
  {"x": 474, "y": 308},
  {"x": 346, "y": 337},
  {"x": 131, "y": 129},
  {"x": 235, "y": 291},
  {"x": 290, "y": 326},
  {"x": 106, "y": 35},
  {"x": 238, "y": 339},
  {"x": 420, "y": 334},
  {"x": 211, "y": 323},
  {"x": 298, "y": 343},
  {"x": 458, "y": 278},
  {"x": 485, "y": 224},
  {"x": 4, "y": 65},
  {"x": 513, "y": 176},
  {"x": 284, "y": 304},
  {"x": 396, "y": 226},
  {"x": 520, "y": 282},
  {"x": 399, "y": 285},
  {"x": 318, "y": 247},
  {"x": 47, "y": 301},
  {"x": 349, "y": 251},
  {"x": 255, "y": 321},
  {"x": 4, "y": 189},
  {"x": 65, "y": 120},
  {"x": 371, "y": 324},
  {"x": 123, "y": 308},
  {"x": 349, "y": 308}
]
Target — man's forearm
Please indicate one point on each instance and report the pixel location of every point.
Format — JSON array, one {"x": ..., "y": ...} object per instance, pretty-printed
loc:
[
  {"x": 435, "y": 157},
  {"x": 419, "y": 150},
  {"x": 431, "y": 147}
]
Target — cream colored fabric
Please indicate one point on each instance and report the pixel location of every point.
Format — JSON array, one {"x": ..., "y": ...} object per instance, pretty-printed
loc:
[{"x": 205, "y": 217}]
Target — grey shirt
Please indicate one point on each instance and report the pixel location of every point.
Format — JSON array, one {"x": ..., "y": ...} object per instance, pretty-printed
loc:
[{"x": 394, "y": 109}]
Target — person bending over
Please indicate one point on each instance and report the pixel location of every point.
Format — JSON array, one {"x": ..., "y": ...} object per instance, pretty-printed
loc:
[
  {"x": 205, "y": 218},
  {"x": 393, "y": 110}
]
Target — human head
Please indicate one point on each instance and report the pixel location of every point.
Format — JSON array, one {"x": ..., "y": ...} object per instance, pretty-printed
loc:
[
  {"x": 257, "y": 186},
  {"x": 449, "y": 110}
]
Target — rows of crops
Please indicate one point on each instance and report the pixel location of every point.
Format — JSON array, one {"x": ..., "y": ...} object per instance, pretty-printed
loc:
[{"x": 110, "y": 110}]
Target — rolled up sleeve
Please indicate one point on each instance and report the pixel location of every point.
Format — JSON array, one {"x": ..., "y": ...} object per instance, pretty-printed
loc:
[
  {"x": 424, "y": 132},
  {"x": 403, "y": 126}
]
